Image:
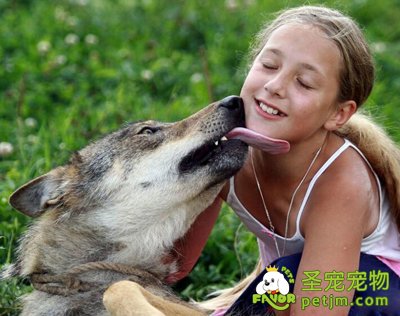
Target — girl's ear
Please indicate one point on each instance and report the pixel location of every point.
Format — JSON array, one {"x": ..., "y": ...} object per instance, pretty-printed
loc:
[{"x": 341, "y": 115}]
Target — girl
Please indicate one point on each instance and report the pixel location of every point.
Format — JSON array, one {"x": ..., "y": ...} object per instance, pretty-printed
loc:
[{"x": 319, "y": 206}]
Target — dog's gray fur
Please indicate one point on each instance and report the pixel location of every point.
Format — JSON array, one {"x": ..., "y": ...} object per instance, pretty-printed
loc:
[{"x": 124, "y": 199}]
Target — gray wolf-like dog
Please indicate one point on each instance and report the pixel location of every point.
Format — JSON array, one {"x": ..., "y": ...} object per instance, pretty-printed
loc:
[{"x": 115, "y": 210}]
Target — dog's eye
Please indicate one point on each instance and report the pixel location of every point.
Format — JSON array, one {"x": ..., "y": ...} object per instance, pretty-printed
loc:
[
  {"x": 272, "y": 280},
  {"x": 148, "y": 130}
]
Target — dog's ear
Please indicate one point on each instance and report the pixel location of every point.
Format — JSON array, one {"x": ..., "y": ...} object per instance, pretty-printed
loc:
[
  {"x": 283, "y": 285},
  {"x": 260, "y": 288},
  {"x": 38, "y": 195}
]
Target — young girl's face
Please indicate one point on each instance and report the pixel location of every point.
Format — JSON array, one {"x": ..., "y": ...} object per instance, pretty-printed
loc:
[{"x": 291, "y": 89}]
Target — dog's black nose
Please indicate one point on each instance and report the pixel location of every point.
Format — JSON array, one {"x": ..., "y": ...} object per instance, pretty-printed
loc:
[{"x": 232, "y": 102}]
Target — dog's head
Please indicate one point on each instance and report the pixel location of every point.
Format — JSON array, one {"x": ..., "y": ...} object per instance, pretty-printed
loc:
[
  {"x": 144, "y": 166},
  {"x": 273, "y": 282}
]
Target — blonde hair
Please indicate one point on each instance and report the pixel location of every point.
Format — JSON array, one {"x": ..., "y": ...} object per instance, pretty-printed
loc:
[
  {"x": 356, "y": 82},
  {"x": 357, "y": 74}
]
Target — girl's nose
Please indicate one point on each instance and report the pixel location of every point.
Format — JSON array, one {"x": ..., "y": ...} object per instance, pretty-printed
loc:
[{"x": 276, "y": 85}]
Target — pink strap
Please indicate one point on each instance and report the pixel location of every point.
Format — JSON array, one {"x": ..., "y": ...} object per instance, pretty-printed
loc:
[{"x": 394, "y": 265}]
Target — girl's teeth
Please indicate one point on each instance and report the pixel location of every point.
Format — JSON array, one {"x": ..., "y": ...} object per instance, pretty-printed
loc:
[{"x": 267, "y": 109}]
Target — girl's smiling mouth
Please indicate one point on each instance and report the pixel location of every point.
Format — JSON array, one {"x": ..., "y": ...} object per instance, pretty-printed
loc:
[{"x": 268, "y": 110}]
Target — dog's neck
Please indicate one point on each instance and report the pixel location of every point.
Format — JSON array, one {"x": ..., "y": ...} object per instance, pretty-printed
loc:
[
  {"x": 78, "y": 279},
  {"x": 66, "y": 239},
  {"x": 64, "y": 245}
]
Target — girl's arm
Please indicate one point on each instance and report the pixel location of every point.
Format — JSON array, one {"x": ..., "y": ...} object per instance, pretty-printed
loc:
[
  {"x": 187, "y": 250},
  {"x": 337, "y": 218}
]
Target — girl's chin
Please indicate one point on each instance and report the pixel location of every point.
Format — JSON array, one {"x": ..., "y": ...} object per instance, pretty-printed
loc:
[{"x": 264, "y": 128}]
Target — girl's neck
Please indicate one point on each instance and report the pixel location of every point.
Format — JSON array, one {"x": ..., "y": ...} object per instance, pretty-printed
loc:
[{"x": 290, "y": 167}]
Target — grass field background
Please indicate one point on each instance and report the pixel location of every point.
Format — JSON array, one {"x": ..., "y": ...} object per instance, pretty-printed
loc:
[{"x": 73, "y": 70}]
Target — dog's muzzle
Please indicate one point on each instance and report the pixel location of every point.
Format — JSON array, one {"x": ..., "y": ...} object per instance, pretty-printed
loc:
[{"x": 218, "y": 152}]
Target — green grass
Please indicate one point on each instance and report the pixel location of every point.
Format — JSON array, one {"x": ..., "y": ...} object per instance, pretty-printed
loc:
[{"x": 73, "y": 70}]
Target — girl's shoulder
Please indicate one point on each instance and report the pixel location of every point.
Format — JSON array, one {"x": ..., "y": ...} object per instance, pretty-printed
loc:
[
  {"x": 382, "y": 153},
  {"x": 347, "y": 189},
  {"x": 350, "y": 165},
  {"x": 344, "y": 169}
]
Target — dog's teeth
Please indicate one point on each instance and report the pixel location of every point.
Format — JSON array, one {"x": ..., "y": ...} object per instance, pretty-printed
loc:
[
  {"x": 216, "y": 143},
  {"x": 223, "y": 138}
]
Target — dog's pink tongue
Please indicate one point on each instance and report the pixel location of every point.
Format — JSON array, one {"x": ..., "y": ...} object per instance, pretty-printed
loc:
[{"x": 252, "y": 138}]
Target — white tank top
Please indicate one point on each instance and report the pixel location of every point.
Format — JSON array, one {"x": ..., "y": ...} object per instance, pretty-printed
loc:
[{"x": 384, "y": 241}]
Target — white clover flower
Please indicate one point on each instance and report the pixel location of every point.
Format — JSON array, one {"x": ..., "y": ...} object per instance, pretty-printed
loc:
[
  {"x": 91, "y": 39},
  {"x": 32, "y": 139},
  {"x": 62, "y": 146},
  {"x": 6, "y": 149},
  {"x": 30, "y": 122},
  {"x": 60, "y": 60},
  {"x": 147, "y": 74},
  {"x": 43, "y": 47},
  {"x": 71, "y": 39},
  {"x": 231, "y": 4},
  {"x": 60, "y": 14},
  {"x": 196, "y": 77}
]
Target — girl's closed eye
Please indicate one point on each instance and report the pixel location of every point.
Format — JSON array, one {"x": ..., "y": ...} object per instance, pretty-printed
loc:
[
  {"x": 270, "y": 66},
  {"x": 269, "y": 63},
  {"x": 304, "y": 84}
]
